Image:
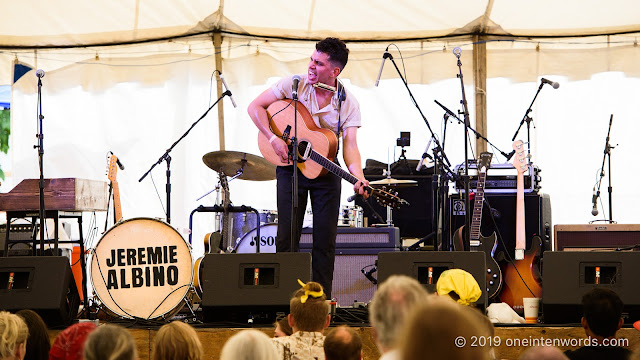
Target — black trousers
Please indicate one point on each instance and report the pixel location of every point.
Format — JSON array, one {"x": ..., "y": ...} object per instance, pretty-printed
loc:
[{"x": 324, "y": 192}]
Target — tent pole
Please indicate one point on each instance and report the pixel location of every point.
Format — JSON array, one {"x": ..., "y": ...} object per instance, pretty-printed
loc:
[
  {"x": 217, "y": 46},
  {"x": 480, "y": 82}
]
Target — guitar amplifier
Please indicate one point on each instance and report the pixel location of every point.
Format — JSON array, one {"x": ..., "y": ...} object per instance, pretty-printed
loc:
[
  {"x": 501, "y": 178},
  {"x": 596, "y": 237},
  {"x": 354, "y": 237}
]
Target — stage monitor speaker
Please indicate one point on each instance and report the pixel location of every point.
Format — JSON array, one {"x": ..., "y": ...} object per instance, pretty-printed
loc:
[
  {"x": 568, "y": 275},
  {"x": 426, "y": 267},
  {"x": 596, "y": 236},
  {"x": 537, "y": 218},
  {"x": 237, "y": 284},
  {"x": 415, "y": 219},
  {"x": 43, "y": 284}
]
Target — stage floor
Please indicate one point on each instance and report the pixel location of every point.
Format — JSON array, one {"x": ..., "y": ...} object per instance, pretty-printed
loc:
[{"x": 513, "y": 339}]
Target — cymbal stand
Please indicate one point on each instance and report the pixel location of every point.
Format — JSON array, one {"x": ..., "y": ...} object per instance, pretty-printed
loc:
[
  {"x": 167, "y": 158},
  {"x": 607, "y": 156}
]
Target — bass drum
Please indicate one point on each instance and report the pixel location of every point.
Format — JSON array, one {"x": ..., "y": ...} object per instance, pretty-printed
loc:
[
  {"x": 247, "y": 244},
  {"x": 141, "y": 268}
]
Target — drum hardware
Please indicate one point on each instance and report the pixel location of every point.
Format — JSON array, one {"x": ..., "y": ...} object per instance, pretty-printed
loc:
[
  {"x": 230, "y": 209},
  {"x": 389, "y": 181}
]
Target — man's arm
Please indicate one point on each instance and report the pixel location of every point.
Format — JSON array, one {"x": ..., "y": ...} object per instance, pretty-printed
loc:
[
  {"x": 258, "y": 112},
  {"x": 352, "y": 159}
]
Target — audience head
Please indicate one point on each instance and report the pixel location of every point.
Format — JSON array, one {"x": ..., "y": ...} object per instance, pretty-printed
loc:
[
  {"x": 543, "y": 353},
  {"x": 282, "y": 327},
  {"x": 390, "y": 305},
  {"x": 110, "y": 342},
  {"x": 602, "y": 312},
  {"x": 69, "y": 344},
  {"x": 343, "y": 343},
  {"x": 13, "y": 336},
  {"x": 309, "y": 308},
  {"x": 435, "y": 328},
  {"x": 177, "y": 340},
  {"x": 249, "y": 345},
  {"x": 38, "y": 345}
]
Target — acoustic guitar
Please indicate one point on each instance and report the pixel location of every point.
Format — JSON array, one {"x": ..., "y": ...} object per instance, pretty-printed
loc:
[
  {"x": 316, "y": 147},
  {"x": 521, "y": 276},
  {"x": 477, "y": 241}
]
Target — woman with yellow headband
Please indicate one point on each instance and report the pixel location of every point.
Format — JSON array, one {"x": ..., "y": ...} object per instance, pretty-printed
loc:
[{"x": 309, "y": 316}]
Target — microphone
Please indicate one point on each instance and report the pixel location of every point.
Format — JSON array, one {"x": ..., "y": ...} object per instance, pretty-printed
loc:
[
  {"x": 554, "y": 84},
  {"x": 40, "y": 73},
  {"x": 457, "y": 51},
  {"x": 424, "y": 155},
  {"x": 118, "y": 161},
  {"x": 594, "y": 200},
  {"x": 353, "y": 197},
  {"x": 226, "y": 88},
  {"x": 384, "y": 57},
  {"x": 369, "y": 275},
  {"x": 294, "y": 87}
]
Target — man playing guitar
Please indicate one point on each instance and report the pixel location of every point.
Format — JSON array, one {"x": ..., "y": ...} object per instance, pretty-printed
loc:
[{"x": 329, "y": 110}]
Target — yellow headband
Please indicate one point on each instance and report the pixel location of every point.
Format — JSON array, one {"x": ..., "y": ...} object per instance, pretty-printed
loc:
[{"x": 307, "y": 293}]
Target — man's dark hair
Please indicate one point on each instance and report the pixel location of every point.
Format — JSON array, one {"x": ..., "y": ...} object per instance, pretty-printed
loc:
[
  {"x": 342, "y": 343},
  {"x": 336, "y": 49},
  {"x": 602, "y": 308}
]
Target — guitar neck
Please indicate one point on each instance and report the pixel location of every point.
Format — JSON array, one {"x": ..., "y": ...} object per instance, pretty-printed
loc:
[
  {"x": 117, "y": 209},
  {"x": 476, "y": 218},
  {"x": 520, "y": 229},
  {"x": 332, "y": 167}
]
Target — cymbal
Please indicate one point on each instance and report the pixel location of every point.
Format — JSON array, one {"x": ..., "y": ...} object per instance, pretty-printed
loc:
[
  {"x": 253, "y": 167},
  {"x": 393, "y": 182}
]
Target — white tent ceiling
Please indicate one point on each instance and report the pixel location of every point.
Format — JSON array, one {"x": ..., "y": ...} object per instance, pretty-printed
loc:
[{"x": 51, "y": 35}]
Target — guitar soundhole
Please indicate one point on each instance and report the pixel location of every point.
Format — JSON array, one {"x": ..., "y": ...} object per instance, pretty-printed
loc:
[{"x": 304, "y": 149}]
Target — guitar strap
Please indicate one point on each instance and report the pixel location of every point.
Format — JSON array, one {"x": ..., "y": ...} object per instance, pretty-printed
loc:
[{"x": 342, "y": 96}]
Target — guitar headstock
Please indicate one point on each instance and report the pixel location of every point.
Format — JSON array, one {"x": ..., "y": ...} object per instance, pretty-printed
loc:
[
  {"x": 520, "y": 158},
  {"x": 385, "y": 198},
  {"x": 484, "y": 161},
  {"x": 112, "y": 168}
]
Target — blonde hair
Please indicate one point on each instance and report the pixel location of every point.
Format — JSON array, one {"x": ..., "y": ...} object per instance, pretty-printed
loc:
[
  {"x": 13, "y": 332},
  {"x": 390, "y": 305},
  {"x": 110, "y": 342},
  {"x": 177, "y": 340},
  {"x": 310, "y": 314},
  {"x": 249, "y": 345}
]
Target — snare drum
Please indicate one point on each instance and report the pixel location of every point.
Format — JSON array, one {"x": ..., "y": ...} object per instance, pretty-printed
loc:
[
  {"x": 268, "y": 234},
  {"x": 242, "y": 223},
  {"x": 351, "y": 216},
  {"x": 141, "y": 268}
]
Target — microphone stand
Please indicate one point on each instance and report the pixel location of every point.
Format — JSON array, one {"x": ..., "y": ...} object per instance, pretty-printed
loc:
[
  {"x": 443, "y": 159},
  {"x": 167, "y": 158},
  {"x": 528, "y": 120},
  {"x": 465, "y": 177},
  {"x": 40, "y": 148},
  {"x": 478, "y": 135},
  {"x": 294, "y": 184},
  {"x": 607, "y": 156}
]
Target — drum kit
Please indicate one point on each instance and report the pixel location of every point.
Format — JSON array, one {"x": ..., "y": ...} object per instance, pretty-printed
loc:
[{"x": 141, "y": 268}]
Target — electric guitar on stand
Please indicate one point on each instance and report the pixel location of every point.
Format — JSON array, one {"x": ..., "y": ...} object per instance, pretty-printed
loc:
[
  {"x": 112, "y": 173},
  {"x": 316, "y": 147},
  {"x": 477, "y": 241},
  {"x": 522, "y": 275}
]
